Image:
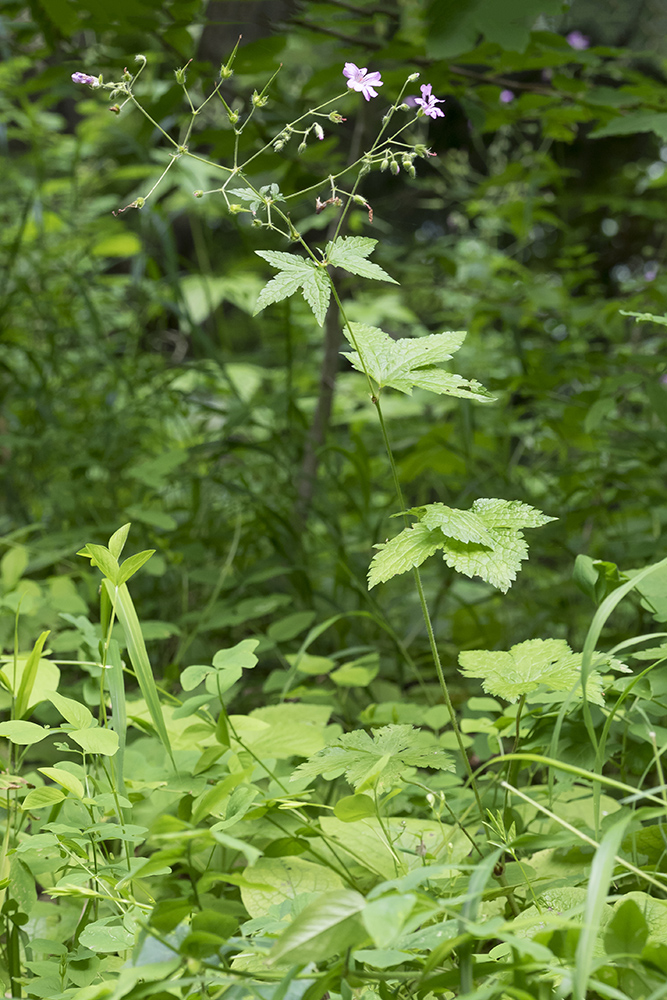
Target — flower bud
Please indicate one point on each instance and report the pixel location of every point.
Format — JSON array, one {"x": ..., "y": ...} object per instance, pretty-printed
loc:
[
  {"x": 141, "y": 59},
  {"x": 257, "y": 223},
  {"x": 358, "y": 200},
  {"x": 385, "y": 164},
  {"x": 364, "y": 169},
  {"x": 411, "y": 170},
  {"x": 278, "y": 145},
  {"x": 318, "y": 130},
  {"x": 413, "y": 77},
  {"x": 403, "y": 107},
  {"x": 139, "y": 203},
  {"x": 302, "y": 147},
  {"x": 235, "y": 209},
  {"x": 198, "y": 194},
  {"x": 336, "y": 118},
  {"x": 394, "y": 167}
]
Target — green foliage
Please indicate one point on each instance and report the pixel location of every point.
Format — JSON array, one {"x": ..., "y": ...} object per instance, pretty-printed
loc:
[
  {"x": 200, "y": 840},
  {"x": 408, "y": 364},
  {"x": 485, "y": 541}
]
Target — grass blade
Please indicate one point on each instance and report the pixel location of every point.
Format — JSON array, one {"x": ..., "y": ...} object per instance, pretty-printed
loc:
[{"x": 136, "y": 647}]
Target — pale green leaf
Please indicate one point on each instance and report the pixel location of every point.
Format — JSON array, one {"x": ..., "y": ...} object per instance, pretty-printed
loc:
[
  {"x": 526, "y": 666},
  {"x": 376, "y": 759},
  {"x": 64, "y": 778},
  {"x": 96, "y": 740},
  {"x": 24, "y": 695},
  {"x": 463, "y": 525},
  {"x": 134, "y": 563},
  {"x": 72, "y": 711},
  {"x": 23, "y": 733},
  {"x": 117, "y": 540},
  {"x": 317, "y": 293},
  {"x": 241, "y": 655},
  {"x": 293, "y": 273},
  {"x": 273, "y": 880},
  {"x": 350, "y": 253},
  {"x": 352, "y": 808},
  {"x": 408, "y": 363},
  {"x": 102, "y": 558},
  {"x": 127, "y": 616},
  {"x": 485, "y": 541},
  {"x": 327, "y": 926},
  {"x": 402, "y": 553},
  {"x": 102, "y": 937},
  {"x": 40, "y": 798}
]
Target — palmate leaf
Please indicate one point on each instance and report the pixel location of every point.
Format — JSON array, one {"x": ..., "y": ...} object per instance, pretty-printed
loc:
[
  {"x": 526, "y": 666},
  {"x": 377, "y": 759},
  {"x": 410, "y": 362},
  {"x": 486, "y": 541},
  {"x": 350, "y": 253},
  {"x": 293, "y": 273}
]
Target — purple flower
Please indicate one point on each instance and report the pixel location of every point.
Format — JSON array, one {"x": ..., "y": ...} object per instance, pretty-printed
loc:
[
  {"x": 577, "y": 41},
  {"x": 361, "y": 79},
  {"x": 506, "y": 96},
  {"x": 92, "y": 81},
  {"x": 427, "y": 102}
]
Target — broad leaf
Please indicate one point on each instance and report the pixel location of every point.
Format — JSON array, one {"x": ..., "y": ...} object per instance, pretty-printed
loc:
[
  {"x": 485, "y": 541},
  {"x": 402, "y": 553},
  {"x": 327, "y": 926},
  {"x": 24, "y": 733},
  {"x": 72, "y": 711},
  {"x": 378, "y": 759},
  {"x": 293, "y": 273},
  {"x": 350, "y": 253},
  {"x": 409, "y": 363},
  {"x": 526, "y": 666},
  {"x": 96, "y": 740}
]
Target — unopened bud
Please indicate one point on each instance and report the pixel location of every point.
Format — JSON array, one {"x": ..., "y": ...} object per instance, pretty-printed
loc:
[
  {"x": 358, "y": 200},
  {"x": 406, "y": 160},
  {"x": 411, "y": 170},
  {"x": 235, "y": 209},
  {"x": 404, "y": 107},
  {"x": 364, "y": 169},
  {"x": 139, "y": 203},
  {"x": 257, "y": 223},
  {"x": 385, "y": 164},
  {"x": 302, "y": 147},
  {"x": 115, "y": 109},
  {"x": 278, "y": 145},
  {"x": 413, "y": 77},
  {"x": 198, "y": 194},
  {"x": 394, "y": 167},
  {"x": 141, "y": 59},
  {"x": 318, "y": 130},
  {"x": 335, "y": 117}
]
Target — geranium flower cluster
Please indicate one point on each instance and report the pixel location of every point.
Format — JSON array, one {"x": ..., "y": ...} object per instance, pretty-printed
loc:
[{"x": 361, "y": 80}]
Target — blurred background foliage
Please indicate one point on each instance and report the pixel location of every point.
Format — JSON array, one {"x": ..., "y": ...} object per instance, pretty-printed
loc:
[{"x": 137, "y": 385}]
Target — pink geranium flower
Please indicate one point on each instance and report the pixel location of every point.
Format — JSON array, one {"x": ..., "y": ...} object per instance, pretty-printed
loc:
[
  {"x": 91, "y": 81},
  {"x": 362, "y": 80},
  {"x": 577, "y": 41},
  {"x": 427, "y": 102}
]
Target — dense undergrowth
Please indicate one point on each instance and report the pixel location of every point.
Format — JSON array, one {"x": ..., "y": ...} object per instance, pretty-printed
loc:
[{"x": 312, "y": 751}]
